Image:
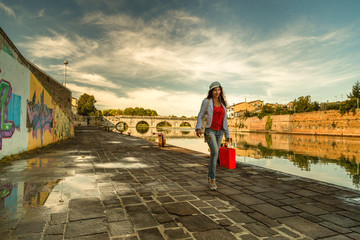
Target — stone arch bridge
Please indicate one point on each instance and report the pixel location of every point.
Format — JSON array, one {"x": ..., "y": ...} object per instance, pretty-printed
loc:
[{"x": 152, "y": 121}]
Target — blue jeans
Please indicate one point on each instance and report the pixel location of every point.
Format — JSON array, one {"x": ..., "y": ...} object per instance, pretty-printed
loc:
[{"x": 213, "y": 139}]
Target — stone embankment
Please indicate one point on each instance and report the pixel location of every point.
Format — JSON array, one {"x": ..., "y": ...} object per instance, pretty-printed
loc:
[{"x": 320, "y": 123}]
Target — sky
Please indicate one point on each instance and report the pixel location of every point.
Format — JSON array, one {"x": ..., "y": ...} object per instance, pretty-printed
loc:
[{"x": 164, "y": 54}]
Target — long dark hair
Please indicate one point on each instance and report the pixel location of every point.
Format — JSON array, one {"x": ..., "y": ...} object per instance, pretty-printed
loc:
[{"x": 222, "y": 96}]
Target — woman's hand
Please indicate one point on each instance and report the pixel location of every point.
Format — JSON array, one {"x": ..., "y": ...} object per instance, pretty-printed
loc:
[{"x": 198, "y": 132}]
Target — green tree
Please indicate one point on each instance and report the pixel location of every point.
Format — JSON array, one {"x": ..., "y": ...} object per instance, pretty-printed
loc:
[
  {"x": 96, "y": 113},
  {"x": 129, "y": 111},
  {"x": 348, "y": 105},
  {"x": 247, "y": 113},
  {"x": 355, "y": 93},
  {"x": 303, "y": 104},
  {"x": 111, "y": 112},
  {"x": 267, "y": 109},
  {"x": 86, "y": 105},
  {"x": 316, "y": 106}
]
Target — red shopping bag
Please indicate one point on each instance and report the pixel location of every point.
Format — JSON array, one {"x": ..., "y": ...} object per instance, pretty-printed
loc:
[{"x": 227, "y": 157}]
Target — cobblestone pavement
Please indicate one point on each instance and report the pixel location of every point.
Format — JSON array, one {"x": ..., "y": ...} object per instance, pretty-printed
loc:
[{"x": 104, "y": 185}]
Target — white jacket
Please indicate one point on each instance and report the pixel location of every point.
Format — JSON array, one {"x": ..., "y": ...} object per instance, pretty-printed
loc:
[{"x": 210, "y": 116}]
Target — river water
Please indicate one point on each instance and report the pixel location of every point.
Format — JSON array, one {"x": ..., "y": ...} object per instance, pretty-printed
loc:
[{"x": 330, "y": 159}]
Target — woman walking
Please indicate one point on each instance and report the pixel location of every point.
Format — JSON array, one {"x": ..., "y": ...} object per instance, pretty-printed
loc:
[{"x": 214, "y": 106}]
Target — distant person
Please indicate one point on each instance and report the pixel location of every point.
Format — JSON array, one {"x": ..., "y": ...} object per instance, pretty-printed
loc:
[{"x": 214, "y": 106}]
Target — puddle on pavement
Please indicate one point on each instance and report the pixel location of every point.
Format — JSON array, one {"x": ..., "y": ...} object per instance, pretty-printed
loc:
[
  {"x": 121, "y": 165},
  {"x": 77, "y": 186},
  {"x": 84, "y": 158},
  {"x": 126, "y": 162},
  {"x": 355, "y": 200},
  {"x": 19, "y": 192},
  {"x": 84, "y": 165},
  {"x": 15, "y": 198}
]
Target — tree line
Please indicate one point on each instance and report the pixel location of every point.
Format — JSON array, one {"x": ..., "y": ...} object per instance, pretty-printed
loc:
[
  {"x": 304, "y": 104},
  {"x": 137, "y": 111},
  {"x": 86, "y": 107}
]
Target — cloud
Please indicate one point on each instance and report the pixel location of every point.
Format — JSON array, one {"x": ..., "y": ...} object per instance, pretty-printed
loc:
[
  {"x": 176, "y": 55},
  {"x": 41, "y": 13},
  {"x": 164, "y": 102},
  {"x": 8, "y": 10},
  {"x": 174, "y": 47},
  {"x": 93, "y": 80}
]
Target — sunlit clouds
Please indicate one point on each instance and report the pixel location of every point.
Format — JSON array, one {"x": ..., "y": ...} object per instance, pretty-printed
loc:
[{"x": 167, "y": 61}]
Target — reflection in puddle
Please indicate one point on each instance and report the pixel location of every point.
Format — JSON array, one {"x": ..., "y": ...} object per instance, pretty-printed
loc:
[
  {"x": 83, "y": 158},
  {"x": 121, "y": 165},
  {"x": 39, "y": 162},
  {"x": 77, "y": 186},
  {"x": 35, "y": 194},
  {"x": 83, "y": 165},
  {"x": 16, "y": 196},
  {"x": 126, "y": 162},
  {"x": 130, "y": 159},
  {"x": 22, "y": 194}
]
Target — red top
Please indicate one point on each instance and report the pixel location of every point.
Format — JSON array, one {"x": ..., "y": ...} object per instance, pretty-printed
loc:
[{"x": 218, "y": 115}]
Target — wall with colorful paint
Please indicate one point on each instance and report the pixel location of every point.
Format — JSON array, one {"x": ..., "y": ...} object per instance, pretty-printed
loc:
[{"x": 35, "y": 109}]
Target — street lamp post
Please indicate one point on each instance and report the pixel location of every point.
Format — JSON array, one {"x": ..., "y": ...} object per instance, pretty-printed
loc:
[{"x": 65, "y": 65}]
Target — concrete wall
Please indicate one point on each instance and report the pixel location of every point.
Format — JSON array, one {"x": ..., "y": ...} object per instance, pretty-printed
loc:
[
  {"x": 320, "y": 122},
  {"x": 35, "y": 108}
]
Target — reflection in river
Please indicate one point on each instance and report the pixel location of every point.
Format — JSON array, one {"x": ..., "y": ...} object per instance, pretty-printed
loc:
[
  {"x": 148, "y": 132},
  {"x": 335, "y": 155},
  {"x": 330, "y": 159}
]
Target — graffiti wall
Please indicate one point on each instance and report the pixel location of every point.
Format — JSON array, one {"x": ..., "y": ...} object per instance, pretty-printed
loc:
[
  {"x": 14, "y": 85},
  {"x": 33, "y": 106}
]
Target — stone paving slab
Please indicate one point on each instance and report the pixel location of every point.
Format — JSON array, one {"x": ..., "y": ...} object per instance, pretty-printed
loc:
[
  {"x": 85, "y": 227},
  {"x": 198, "y": 223},
  {"x": 134, "y": 190},
  {"x": 180, "y": 208}
]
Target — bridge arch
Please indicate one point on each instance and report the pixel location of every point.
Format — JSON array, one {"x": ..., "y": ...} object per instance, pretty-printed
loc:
[
  {"x": 142, "y": 127},
  {"x": 163, "y": 124},
  {"x": 185, "y": 124},
  {"x": 122, "y": 126}
]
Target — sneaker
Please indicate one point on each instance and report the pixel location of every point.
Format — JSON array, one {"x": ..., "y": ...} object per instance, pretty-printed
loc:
[{"x": 212, "y": 184}]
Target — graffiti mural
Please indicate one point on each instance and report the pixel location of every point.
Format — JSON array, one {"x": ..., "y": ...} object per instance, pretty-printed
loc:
[
  {"x": 15, "y": 110},
  {"x": 40, "y": 116},
  {"x": 28, "y": 100},
  {"x": 7, "y": 127},
  {"x": 62, "y": 125}
]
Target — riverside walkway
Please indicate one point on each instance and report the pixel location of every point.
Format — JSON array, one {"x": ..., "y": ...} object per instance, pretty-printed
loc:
[{"x": 104, "y": 185}]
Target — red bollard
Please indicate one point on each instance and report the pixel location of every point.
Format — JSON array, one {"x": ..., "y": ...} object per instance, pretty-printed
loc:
[{"x": 161, "y": 139}]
